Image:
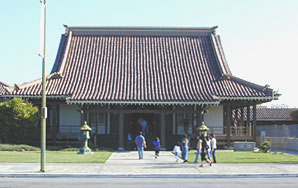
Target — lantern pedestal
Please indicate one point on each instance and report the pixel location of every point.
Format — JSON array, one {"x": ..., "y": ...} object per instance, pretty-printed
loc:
[{"x": 85, "y": 150}]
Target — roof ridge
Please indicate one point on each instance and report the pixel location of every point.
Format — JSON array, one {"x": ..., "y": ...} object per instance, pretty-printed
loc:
[
  {"x": 141, "y": 27},
  {"x": 141, "y": 31},
  {"x": 5, "y": 84},
  {"x": 54, "y": 75},
  {"x": 219, "y": 53},
  {"x": 65, "y": 54},
  {"x": 240, "y": 80}
]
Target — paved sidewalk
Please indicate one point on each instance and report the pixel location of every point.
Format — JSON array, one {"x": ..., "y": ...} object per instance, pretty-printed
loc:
[{"x": 127, "y": 164}]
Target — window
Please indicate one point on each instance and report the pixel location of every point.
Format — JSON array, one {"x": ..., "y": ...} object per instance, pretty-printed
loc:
[
  {"x": 102, "y": 123},
  {"x": 101, "y": 120}
]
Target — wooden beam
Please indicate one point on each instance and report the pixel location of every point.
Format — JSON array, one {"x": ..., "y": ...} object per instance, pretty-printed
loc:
[{"x": 139, "y": 111}]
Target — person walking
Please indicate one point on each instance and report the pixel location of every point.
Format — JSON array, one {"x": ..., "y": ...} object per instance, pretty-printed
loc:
[
  {"x": 204, "y": 151},
  {"x": 213, "y": 147},
  {"x": 141, "y": 144},
  {"x": 185, "y": 143},
  {"x": 156, "y": 145},
  {"x": 177, "y": 151},
  {"x": 199, "y": 149},
  {"x": 129, "y": 139},
  {"x": 208, "y": 139}
]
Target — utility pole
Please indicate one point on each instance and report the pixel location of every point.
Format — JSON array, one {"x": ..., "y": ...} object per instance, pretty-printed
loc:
[{"x": 43, "y": 97}]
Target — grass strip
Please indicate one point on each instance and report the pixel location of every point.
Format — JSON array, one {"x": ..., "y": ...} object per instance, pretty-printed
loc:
[
  {"x": 53, "y": 157},
  {"x": 248, "y": 157}
]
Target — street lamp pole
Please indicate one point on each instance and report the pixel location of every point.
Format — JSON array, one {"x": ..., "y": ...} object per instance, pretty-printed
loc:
[{"x": 43, "y": 97}]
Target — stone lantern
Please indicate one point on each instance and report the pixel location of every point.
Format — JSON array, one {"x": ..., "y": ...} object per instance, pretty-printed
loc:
[
  {"x": 203, "y": 129},
  {"x": 85, "y": 135}
]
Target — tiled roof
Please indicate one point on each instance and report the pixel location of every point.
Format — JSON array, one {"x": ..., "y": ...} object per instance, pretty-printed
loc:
[
  {"x": 2, "y": 88},
  {"x": 266, "y": 114},
  {"x": 274, "y": 113},
  {"x": 143, "y": 65}
]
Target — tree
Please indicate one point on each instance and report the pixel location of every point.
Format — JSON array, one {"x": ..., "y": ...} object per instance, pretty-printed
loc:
[
  {"x": 19, "y": 122},
  {"x": 294, "y": 115}
]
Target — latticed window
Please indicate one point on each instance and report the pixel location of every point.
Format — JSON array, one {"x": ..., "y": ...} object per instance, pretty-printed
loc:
[{"x": 99, "y": 122}]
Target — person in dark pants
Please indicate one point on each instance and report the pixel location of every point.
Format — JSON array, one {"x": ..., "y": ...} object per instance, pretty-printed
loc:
[
  {"x": 156, "y": 144},
  {"x": 204, "y": 151}
]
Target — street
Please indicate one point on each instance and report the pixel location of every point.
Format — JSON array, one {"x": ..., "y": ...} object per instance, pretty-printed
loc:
[{"x": 149, "y": 182}]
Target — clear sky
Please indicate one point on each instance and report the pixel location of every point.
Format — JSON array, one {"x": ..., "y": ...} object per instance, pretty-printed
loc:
[{"x": 260, "y": 37}]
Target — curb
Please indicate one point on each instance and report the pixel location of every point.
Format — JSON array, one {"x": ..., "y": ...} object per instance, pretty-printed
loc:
[{"x": 44, "y": 175}]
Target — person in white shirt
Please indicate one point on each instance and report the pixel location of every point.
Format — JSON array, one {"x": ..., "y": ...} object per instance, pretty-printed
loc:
[
  {"x": 208, "y": 139},
  {"x": 213, "y": 147},
  {"x": 177, "y": 150}
]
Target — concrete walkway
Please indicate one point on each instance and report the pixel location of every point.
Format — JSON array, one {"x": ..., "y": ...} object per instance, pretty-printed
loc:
[{"x": 127, "y": 164}]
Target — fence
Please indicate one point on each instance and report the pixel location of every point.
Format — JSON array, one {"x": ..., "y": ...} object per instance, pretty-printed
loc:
[
  {"x": 234, "y": 131},
  {"x": 278, "y": 130},
  {"x": 282, "y": 137}
]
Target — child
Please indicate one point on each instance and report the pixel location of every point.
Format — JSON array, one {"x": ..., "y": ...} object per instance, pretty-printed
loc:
[
  {"x": 177, "y": 150},
  {"x": 156, "y": 144}
]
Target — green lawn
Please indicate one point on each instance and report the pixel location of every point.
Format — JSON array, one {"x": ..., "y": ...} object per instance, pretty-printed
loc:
[
  {"x": 53, "y": 157},
  {"x": 248, "y": 157}
]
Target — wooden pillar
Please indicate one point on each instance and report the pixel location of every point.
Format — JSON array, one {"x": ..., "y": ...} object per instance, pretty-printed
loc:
[
  {"x": 224, "y": 119},
  {"x": 237, "y": 119},
  {"x": 229, "y": 121},
  {"x": 163, "y": 131},
  {"x": 121, "y": 131},
  {"x": 233, "y": 119},
  {"x": 238, "y": 116},
  {"x": 82, "y": 112},
  {"x": 242, "y": 120},
  {"x": 96, "y": 127},
  {"x": 57, "y": 122},
  {"x": 242, "y": 116},
  {"x": 174, "y": 121},
  {"x": 254, "y": 123},
  {"x": 248, "y": 120}
]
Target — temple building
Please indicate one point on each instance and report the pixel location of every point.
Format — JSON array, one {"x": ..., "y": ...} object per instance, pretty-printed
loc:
[{"x": 172, "y": 79}]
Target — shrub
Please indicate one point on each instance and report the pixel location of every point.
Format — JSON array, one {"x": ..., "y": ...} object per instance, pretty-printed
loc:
[
  {"x": 265, "y": 147},
  {"x": 294, "y": 115},
  {"x": 9, "y": 147},
  {"x": 19, "y": 122}
]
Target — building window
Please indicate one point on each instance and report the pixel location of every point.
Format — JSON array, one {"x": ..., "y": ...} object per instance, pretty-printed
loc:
[
  {"x": 99, "y": 123},
  {"x": 102, "y": 123}
]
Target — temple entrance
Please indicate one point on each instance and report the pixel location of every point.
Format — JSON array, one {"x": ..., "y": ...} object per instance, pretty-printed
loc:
[{"x": 148, "y": 123}]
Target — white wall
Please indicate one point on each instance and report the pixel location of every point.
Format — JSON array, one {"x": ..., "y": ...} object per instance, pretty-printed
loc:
[
  {"x": 69, "y": 117},
  {"x": 215, "y": 119}
]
